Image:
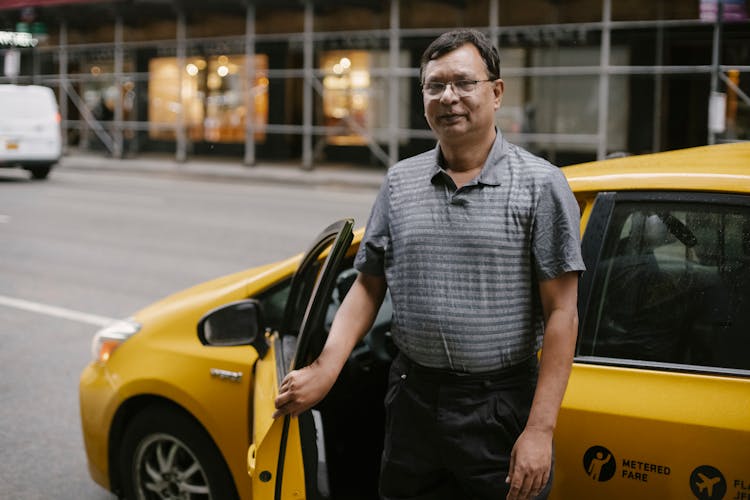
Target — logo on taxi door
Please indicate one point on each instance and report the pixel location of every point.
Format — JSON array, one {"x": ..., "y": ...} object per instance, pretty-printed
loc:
[
  {"x": 708, "y": 483},
  {"x": 599, "y": 463}
]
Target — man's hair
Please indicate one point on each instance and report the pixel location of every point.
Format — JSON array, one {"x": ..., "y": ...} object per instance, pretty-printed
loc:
[{"x": 451, "y": 40}]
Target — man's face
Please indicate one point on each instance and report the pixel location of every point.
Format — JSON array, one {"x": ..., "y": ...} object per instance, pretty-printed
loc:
[{"x": 458, "y": 119}]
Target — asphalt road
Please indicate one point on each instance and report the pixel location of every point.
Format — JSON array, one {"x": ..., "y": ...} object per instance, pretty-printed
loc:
[{"x": 86, "y": 247}]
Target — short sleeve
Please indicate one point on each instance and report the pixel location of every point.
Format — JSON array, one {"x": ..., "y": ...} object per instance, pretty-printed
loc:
[
  {"x": 556, "y": 234},
  {"x": 370, "y": 258}
]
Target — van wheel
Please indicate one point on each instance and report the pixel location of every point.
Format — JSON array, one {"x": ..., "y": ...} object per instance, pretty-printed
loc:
[
  {"x": 165, "y": 454},
  {"x": 39, "y": 173}
]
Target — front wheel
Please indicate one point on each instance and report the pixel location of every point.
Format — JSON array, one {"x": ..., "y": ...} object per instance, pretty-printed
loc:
[
  {"x": 166, "y": 455},
  {"x": 39, "y": 173}
]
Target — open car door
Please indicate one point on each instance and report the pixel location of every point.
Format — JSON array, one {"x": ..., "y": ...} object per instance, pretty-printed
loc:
[{"x": 286, "y": 459}]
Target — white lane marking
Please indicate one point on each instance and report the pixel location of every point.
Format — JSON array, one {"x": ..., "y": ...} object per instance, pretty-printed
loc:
[{"x": 59, "y": 312}]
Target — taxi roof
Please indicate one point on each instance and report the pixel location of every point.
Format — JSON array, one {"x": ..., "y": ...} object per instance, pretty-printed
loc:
[{"x": 720, "y": 168}]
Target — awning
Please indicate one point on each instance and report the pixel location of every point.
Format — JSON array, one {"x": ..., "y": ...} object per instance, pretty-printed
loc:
[{"x": 20, "y": 4}]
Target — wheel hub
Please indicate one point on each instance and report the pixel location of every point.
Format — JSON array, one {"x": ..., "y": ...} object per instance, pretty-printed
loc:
[{"x": 166, "y": 469}]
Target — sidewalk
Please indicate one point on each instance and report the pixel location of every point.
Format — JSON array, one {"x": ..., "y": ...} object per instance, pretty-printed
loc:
[{"x": 229, "y": 170}]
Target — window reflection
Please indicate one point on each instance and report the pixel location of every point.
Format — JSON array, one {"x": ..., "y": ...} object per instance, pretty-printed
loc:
[
  {"x": 673, "y": 286},
  {"x": 346, "y": 97},
  {"x": 355, "y": 98},
  {"x": 216, "y": 100}
]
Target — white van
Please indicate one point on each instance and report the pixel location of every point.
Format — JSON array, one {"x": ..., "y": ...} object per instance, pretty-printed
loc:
[{"x": 30, "y": 132}]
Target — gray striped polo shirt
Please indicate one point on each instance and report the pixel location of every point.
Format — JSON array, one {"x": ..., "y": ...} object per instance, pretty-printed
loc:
[{"x": 463, "y": 266}]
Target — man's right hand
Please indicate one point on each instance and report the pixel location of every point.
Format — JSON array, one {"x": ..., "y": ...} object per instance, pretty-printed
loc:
[{"x": 304, "y": 388}]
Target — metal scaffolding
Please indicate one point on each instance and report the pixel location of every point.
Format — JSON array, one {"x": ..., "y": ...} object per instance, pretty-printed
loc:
[{"x": 386, "y": 151}]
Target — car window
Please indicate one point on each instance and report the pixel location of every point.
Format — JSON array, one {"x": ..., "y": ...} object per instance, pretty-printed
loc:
[
  {"x": 273, "y": 302},
  {"x": 344, "y": 282},
  {"x": 672, "y": 285}
]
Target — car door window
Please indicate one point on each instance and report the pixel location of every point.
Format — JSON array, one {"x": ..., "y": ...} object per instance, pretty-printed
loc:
[
  {"x": 273, "y": 303},
  {"x": 671, "y": 284},
  {"x": 378, "y": 343}
]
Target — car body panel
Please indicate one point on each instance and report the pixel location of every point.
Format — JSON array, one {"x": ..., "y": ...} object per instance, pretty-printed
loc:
[
  {"x": 94, "y": 392},
  {"x": 265, "y": 392},
  {"x": 173, "y": 365},
  {"x": 179, "y": 374},
  {"x": 262, "y": 457},
  {"x": 665, "y": 430},
  {"x": 719, "y": 168},
  {"x": 674, "y": 422}
]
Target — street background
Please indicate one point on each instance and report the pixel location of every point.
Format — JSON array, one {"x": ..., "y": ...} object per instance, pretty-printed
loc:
[{"x": 103, "y": 238}]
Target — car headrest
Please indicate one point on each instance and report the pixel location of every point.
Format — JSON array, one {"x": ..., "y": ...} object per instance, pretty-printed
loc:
[{"x": 655, "y": 232}]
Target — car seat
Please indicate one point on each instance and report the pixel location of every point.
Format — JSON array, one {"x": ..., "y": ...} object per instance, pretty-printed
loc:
[{"x": 643, "y": 311}]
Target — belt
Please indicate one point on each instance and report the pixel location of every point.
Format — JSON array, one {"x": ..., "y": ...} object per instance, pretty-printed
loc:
[{"x": 527, "y": 366}]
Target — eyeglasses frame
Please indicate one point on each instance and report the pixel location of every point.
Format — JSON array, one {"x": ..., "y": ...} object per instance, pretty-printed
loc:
[{"x": 452, "y": 83}]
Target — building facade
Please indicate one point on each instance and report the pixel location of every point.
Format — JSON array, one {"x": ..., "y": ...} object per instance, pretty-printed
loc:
[{"x": 338, "y": 80}]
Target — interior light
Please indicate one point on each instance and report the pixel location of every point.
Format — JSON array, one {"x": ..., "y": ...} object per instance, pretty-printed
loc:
[
  {"x": 360, "y": 79},
  {"x": 223, "y": 60},
  {"x": 359, "y": 101},
  {"x": 222, "y": 71},
  {"x": 191, "y": 69},
  {"x": 213, "y": 81},
  {"x": 345, "y": 63}
]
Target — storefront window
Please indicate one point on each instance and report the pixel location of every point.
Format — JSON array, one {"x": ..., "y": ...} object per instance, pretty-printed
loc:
[
  {"x": 215, "y": 97},
  {"x": 355, "y": 104},
  {"x": 512, "y": 116},
  {"x": 346, "y": 99},
  {"x": 570, "y": 104},
  {"x": 100, "y": 93},
  {"x": 737, "y": 110}
]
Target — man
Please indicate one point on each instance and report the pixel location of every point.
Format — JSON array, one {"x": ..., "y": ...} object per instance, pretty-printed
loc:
[{"x": 478, "y": 243}]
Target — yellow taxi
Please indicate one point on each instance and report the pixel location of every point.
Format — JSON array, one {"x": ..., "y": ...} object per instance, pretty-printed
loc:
[{"x": 178, "y": 399}]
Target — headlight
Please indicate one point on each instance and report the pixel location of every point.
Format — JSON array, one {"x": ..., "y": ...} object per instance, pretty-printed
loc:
[{"x": 110, "y": 337}]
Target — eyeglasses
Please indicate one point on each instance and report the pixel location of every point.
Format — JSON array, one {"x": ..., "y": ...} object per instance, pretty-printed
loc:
[{"x": 461, "y": 88}]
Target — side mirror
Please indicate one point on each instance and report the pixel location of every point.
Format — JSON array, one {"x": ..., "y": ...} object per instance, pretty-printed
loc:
[{"x": 234, "y": 324}]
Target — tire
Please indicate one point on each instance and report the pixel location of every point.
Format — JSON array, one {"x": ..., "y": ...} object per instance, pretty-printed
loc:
[
  {"x": 39, "y": 173},
  {"x": 159, "y": 445}
]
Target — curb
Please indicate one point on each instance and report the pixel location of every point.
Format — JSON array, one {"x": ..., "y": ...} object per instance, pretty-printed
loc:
[{"x": 229, "y": 171}]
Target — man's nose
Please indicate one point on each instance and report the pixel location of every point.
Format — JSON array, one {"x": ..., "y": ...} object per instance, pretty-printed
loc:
[{"x": 447, "y": 96}]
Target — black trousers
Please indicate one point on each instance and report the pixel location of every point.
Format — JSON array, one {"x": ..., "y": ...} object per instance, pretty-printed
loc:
[{"x": 449, "y": 436}]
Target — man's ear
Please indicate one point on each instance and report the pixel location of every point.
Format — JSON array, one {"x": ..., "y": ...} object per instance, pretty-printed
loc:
[{"x": 498, "y": 87}]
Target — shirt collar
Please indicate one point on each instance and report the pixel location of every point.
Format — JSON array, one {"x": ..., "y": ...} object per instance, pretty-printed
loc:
[{"x": 495, "y": 167}]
